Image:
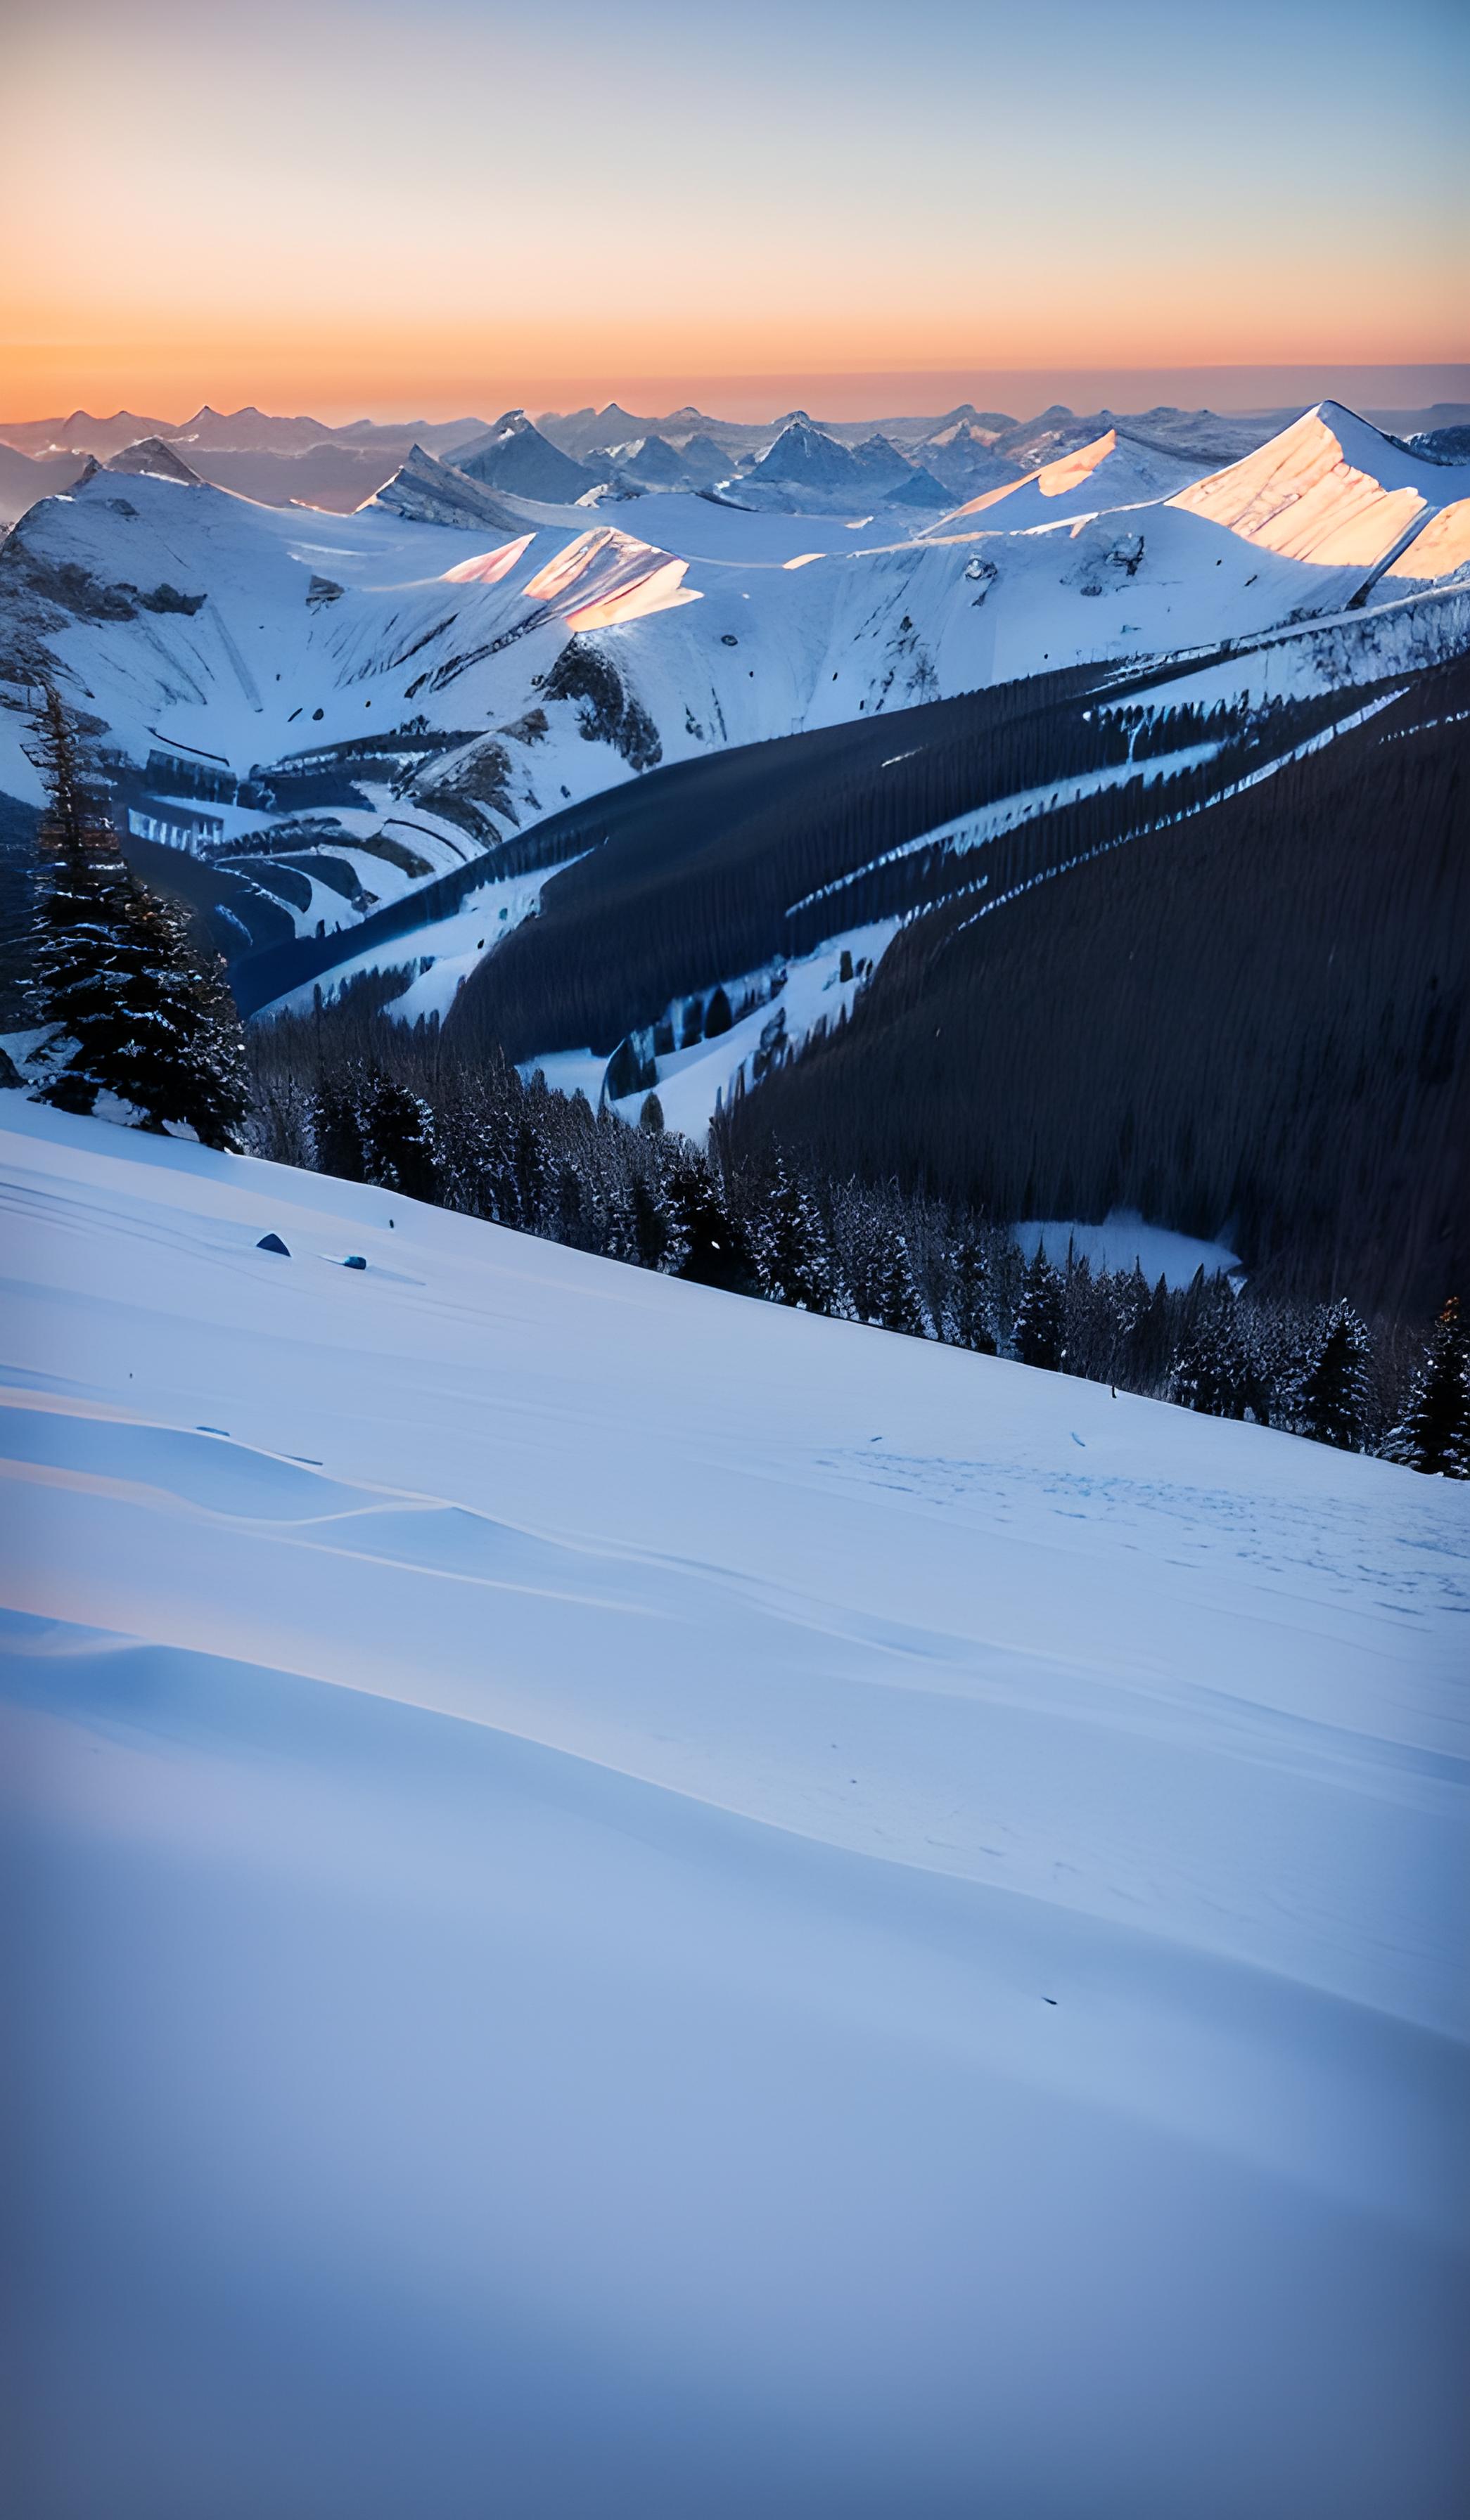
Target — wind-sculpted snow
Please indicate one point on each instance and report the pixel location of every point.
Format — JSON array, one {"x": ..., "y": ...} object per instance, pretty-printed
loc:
[
  {"x": 1439, "y": 549},
  {"x": 634, "y": 1903},
  {"x": 1109, "y": 472},
  {"x": 1329, "y": 489}
]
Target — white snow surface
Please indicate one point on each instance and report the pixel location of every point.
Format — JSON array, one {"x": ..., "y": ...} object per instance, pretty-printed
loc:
[
  {"x": 1124, "y": 1239},
  {"x": 460, "y": 629},
  {"x": 634, "y": 1903},
  {"x": 693, "y": 1083}
]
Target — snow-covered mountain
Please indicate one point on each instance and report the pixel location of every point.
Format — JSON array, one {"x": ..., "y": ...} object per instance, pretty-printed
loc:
[
  {"x": 153, "y": 455},
  {"x": 515, "y": 456},
  {"x": 804, "y": 458},
  {"x": 337, "y": 718},
  {"x": 80, "y": 434},
  {"x": 651, "y": 462},
  {"x": 588, "y": 1837}
]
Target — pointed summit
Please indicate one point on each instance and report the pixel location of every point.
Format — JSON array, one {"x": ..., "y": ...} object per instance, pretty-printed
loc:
[
  {"x": 804, "y": 458},
  {"x": 427, "y": 492},
  {"x": 515, "y": 456},
  {"x": 150, "y": 455}
]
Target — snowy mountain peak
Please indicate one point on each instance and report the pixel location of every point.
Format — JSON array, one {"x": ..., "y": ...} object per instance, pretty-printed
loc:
[
  {"x": 805, "y": 456},
  {"x": 426, "y": 492},
  {"x": 150, "y": 455},
  {"x": 1332, "y": 489},
  {"x": 517, "y": 456}
]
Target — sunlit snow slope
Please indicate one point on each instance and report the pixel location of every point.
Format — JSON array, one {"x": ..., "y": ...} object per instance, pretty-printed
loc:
[{"x": 632, "y": 1903}]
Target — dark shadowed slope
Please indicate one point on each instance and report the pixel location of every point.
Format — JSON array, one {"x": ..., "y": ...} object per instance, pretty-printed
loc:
[{"x": 1256, "y": 1020}]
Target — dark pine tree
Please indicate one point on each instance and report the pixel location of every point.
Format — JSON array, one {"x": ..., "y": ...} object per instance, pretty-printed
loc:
[
  {"x": 1040, "y": 1315},
  {"x": 713, "y": 1250},
  {"x": 532, "y": 1172},
  {"x": 139, "y": 1012},
  {"x": 1208, "y": 1372},
  {"x": 799, "y": 1267},
  {"x": 337, "y": 1129},
  {"x": 970, "y": 1320},
  {"x": 78, "y": 914},
  {"x": 1335, "y": 1400},
  {"x": 1434, "y": 1433},
  {"x": 179, "y": 1053},
  {"x": 397, "y": 1133},
  {"x": 650, "y": 1221},
  {"x": 898, "y": 1304},
  {"x": 1148, "y": 1342}
]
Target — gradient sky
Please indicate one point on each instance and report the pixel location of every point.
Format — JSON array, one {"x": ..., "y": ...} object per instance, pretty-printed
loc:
[{"x": 445, "y": 207}]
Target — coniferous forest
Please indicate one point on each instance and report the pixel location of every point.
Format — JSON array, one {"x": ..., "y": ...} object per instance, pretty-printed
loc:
[
  {"x": 1253, "y": 1023},
  {"x": 890, "y": 1205},
  {"x": 350, "y": 1092}
]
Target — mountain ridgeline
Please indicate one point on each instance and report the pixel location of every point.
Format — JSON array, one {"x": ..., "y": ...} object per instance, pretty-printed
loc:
[{"x": 1097, "y": 843}]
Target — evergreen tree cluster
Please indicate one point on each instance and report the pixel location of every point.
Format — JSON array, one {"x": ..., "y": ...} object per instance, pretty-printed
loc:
[
  {"x": 135, "y": 1010},
  {"x": 348, "y": 1092}
]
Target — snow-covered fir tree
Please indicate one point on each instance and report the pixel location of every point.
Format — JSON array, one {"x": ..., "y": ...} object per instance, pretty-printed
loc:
[
  {"x": 969, "y": 1315},
  {"x": 1334, "y": 1401},
  {"x": 704, "y": 1235},
  {"x": 1209, "y": 1371},
  {"x": 1038, "y": 1334},
  {"x": 1434, "y": 1433},
  {"x": 899, "y": 1307},
  {"x": 397, "y": 1135},
  {"x": 335, "y": 1129},
  {"x": 134, "y": 1006},
  {"x": 799, "y": 1264},
  {"x": 138, "y": 1012}
]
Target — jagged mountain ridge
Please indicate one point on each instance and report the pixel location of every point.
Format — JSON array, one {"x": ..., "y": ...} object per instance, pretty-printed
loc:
[
  {"x": 306, "y": 462},
  {"x": 328, "y": 721}
]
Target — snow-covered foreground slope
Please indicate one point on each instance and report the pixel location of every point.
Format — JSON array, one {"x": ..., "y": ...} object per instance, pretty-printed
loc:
[{"x": 632, "y": 1903}]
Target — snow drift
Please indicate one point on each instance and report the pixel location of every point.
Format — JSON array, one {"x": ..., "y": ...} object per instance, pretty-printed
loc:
[{"x": 629, "y": 1902}]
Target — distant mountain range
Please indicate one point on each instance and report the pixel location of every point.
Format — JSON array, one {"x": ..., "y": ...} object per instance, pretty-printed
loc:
[
  {"x": 563, "y": 761},
  {"x": 286, "y": 462}
]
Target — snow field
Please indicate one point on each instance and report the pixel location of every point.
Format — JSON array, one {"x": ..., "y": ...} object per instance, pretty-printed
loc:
[{"x": 632, "y": 1902}]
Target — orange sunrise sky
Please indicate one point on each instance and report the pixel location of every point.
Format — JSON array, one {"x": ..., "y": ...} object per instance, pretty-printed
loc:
[{"x": 392, "y": 211}]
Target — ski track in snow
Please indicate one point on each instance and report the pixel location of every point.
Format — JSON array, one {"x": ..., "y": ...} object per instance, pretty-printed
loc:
[{"x": 642, "y": 1904}]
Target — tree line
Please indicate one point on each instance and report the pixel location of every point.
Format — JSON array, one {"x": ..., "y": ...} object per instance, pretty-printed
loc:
[
  {"x": 140, "y": 1024},
  {"x": 348, "y": 1092}
]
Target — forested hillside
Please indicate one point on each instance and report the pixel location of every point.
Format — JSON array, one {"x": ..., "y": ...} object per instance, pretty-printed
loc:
[
  {"x": 712, "y": 870},
  {"x": 1254, "y": 1021}
]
